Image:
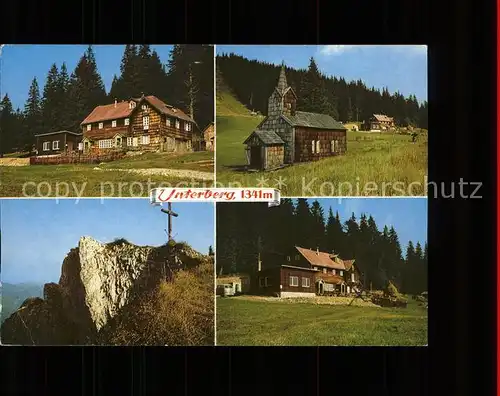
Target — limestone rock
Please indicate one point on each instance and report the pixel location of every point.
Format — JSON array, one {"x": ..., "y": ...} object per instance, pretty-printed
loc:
[{"x": 98, "y": 281}]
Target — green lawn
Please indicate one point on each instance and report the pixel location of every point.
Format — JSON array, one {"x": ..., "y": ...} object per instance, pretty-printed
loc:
[
  {"x": 375, "y": 164},
  {"x": 85, "y": 181},
  {"x": 242, "y": 321},
  {"x": 200, "y": 161}
]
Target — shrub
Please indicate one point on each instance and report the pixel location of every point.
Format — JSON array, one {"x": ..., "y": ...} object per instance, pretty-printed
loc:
[
  {"x": 177, "y": 313},
  {"x": 119, "y": 241}
]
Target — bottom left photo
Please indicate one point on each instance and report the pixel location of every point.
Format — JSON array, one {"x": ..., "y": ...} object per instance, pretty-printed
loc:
[{"x": 107, "y": 272}]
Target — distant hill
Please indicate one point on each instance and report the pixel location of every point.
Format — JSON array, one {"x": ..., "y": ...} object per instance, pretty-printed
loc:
[
  {"x": 227, "y": 104},
  {"x": 13, "y": 295}
]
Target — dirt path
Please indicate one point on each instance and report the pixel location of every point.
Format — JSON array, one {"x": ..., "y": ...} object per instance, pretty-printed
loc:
[{"x": 181, "y": 173}]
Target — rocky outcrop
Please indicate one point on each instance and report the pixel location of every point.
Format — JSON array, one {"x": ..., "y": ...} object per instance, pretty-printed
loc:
[{"x": 97, "y": 282}]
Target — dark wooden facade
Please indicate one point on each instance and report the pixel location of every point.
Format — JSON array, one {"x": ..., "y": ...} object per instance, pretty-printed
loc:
[
  {"x": 209, "y": 138},
  {"x": 312, "y": 144},
  {"x": 55, "y": 143},
  {"x": 286, "y": 281}
]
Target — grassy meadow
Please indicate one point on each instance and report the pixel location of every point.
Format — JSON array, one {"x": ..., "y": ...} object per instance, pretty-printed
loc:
[
  {"x": 123, "y": 178},
  {"x": 252, "y": 321},
  {"x": 380, "y": 164}
]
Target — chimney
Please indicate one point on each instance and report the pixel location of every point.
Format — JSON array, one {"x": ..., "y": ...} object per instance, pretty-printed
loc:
[
  {"x": 116, "y": 101},
  {"x": 317, "y": 251},
  {"x": 259, "y": 263}
]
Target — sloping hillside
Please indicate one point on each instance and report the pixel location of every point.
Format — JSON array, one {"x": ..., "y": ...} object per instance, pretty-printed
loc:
[
  {"x": 227, "y": 104},
  {"x": 13, "y": 296}
]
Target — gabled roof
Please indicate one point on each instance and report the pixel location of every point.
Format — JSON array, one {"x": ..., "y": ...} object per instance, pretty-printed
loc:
[
  {"x": 58, "y": 132},
  {"x": 313, "y": 120},
  {"x": 382, "y": 117},
  {"x": 323, "y": 259},
  {"x": 266, "y": 137},
  {"x": 122, "y": 110},
  {"x": 108, "y": 112}
]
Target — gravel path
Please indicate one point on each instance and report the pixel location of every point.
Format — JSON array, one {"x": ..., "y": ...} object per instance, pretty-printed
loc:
[{"x": 181, "y": 173}]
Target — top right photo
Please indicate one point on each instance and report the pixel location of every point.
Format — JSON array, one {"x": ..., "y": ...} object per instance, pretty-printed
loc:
[{"x": 328, "y": 120}]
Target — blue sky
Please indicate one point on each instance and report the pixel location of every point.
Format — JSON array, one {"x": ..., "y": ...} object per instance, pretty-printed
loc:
[
  {"x": 408, "y": 216},
  {"x": 38, "y": 233},
  {"x": 20, "y": 63},
  {"x": 401, "y": 68}
]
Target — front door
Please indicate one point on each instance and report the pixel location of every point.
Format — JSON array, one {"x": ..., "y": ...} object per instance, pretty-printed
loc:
[{"x": 256, "y": 157}]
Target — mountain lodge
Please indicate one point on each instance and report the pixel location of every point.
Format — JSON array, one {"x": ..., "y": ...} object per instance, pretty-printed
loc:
[
  {"x": 144, "y": 123},
  {"x": 300, "y": 273},
  {"x": 287, "y": 136},
  {"x": 378, "y": 122}
]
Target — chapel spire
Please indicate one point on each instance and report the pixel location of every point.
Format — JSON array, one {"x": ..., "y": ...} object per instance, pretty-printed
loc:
[{"x": 282, "y": 84}]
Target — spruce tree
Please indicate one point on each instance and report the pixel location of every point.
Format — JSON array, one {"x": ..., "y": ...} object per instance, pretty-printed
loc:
[
  {"x": 7, "y": 125},
  {"x": 51, "y": 110},
  {"x": 318, "y": 226},
  {"x": 33, "y": 114}
]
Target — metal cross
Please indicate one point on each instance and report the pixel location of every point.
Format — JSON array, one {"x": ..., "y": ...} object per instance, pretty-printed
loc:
[{"x": 170, "y": 214}]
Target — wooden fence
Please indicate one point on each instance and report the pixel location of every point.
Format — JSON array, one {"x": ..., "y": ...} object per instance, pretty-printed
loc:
[{"x": 90, "y": 158}]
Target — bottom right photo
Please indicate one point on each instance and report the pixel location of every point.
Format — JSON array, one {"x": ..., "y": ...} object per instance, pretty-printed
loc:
[{"x": 322, "y": 272}]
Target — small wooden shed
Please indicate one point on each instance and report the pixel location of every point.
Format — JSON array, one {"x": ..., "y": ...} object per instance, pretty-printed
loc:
[{"x": 265, "y": 150}]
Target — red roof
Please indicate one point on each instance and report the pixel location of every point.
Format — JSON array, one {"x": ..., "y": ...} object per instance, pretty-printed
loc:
[
  {"x": 323, "y": 259},
  {"x": 122, "y": 110}
]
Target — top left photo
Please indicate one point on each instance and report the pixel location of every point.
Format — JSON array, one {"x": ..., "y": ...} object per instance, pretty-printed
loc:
[{"x": 105, "y": 120}]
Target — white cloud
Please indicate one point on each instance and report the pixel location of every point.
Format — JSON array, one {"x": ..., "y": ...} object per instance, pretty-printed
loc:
[
  {"x": 410, "y": 49},
  {"x": 334, "y": 49}
]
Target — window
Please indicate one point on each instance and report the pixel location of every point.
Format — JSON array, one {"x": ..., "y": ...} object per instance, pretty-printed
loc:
[
  {"x": 101, "y": 125},
  {"x": 187, "y": 126},
  {"x": 113, "y": 123},
  {"x": 55, "y": 145},
  {"x": 145, "y": 122},
  {"x": 46, "y": 146},
  {"x": 352, "y": 277},
  {"x": 267, "y": 282},
  {"x": 317, "y": 147},
  {"x": 341, "y": 273},
  {"x": 118, "y": 141},
  {"x": 297, "y": 257},
  {"x": 80, "y": 146},
  {"x": 127, "y": 121},
  {"x": 145, "y": 108},
  {"x": 89, "y": 127},
  {"x": 135, "y": 142},
  {"x": 177, "y": 124},
  {"x": 261, "y": 282},
  {"x": 306, "y": 282},
  {"x": 313, "y": 146},
  {"x": 294, "y": 281},
  {"x": 167, "y": 121},
  {"x": 131, "y": 105},
  {"x": 288, "y": 258},
  {"x": 145, "y": 139},
  {"x": 333, "y": 146},
  {"x": 324, "y": 270},
  {"x": 334, "y": 272},
  {"x": 106, "y": 143},
  {"x": 315, "y": 268},
  {"x": 129, "y": 141}
]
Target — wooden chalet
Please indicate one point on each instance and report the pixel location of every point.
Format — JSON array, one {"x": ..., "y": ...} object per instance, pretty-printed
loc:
[
  {"x": 55, "y": 143},
  {"x": 379, "y": 122},
  {"x": 300, "y": 135},
  {"x": 209, "y": 137},
  {"x": 305, "y": 273},
  {"x": 144, "y": 123}
]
